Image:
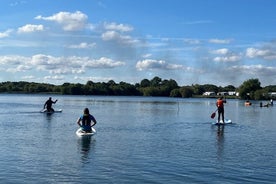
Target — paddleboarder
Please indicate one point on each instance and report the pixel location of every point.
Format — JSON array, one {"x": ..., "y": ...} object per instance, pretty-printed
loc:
[
  {"x": 48, "y": 104},
  {"x": 220, "y": 107},
  {"x": 85, "y": 121}
]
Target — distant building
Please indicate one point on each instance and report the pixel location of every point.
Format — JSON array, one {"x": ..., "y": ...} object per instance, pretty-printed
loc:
[
  {"x": 222, "y": 93},
  {"x": 209, "y": 93},
  {"x": 232, "y": 93},
  {"x": 272, "y": 94}
]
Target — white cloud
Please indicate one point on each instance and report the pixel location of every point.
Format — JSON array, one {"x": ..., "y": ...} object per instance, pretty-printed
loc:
[
  {"x": 28, "y": 28},
  {"x": 232, "y": 58},
  {"x": 117, "y": 27},
  {"x": 149, "y": 64},
  {"x": 103, "y": 62},
  {"x": 55, "y": 65},
  {"x": 12, "y": 60},
  {"x": 115, "y": 36},
  {"x": 253, "y": 53},
  {"x": 82, "y": 45},
  {"x": 70, "y": 21},
  {"x": 222, "y": 51},
  {"x": 72, "y": 64},
  {"x": 192, "y": 41},
  {"x": 219, "y": 41},
  {"x": 55, "y": 77},
  {"x": 110, "y": 35},
  {"x": 225, "y": 55},
  {"x": 46, "y": 62},
  {"x": 5, "y": 33},
  {"x": 256, "y": 70},
  {"x": 19, "y": 68},
  {"x": 28, "y": 77}
]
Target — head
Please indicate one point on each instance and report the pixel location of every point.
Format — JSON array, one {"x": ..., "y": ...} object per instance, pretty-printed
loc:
[
  {"x": 50, "y": 98},
  {"x": 86, "y": 111},
  {"x": 221, "y": 98}
]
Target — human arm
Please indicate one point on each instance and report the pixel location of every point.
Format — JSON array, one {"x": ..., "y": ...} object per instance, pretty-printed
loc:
[
  {"x": 78, "y": 122},
  {"x": 94, "y": 120}
]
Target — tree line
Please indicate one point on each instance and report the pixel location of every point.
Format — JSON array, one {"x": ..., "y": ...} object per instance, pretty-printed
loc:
[{"x": 250, "y": 89}]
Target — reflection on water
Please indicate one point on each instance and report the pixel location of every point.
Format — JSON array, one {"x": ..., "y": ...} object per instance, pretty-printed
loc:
[
  {"x": 220, "y": 131},
  {"x": 220, "y": 141},
  {"x": 85, "y": 144}
]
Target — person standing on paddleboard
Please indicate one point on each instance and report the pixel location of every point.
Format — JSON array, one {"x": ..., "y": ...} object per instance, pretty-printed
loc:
[
  {"x": 48, "y": 104},
  {"x": 85, "y": 121},
  {"x": 220, "y": 107}
]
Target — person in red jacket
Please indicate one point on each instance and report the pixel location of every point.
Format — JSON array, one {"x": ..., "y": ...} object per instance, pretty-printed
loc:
[{"x": 220, "y": 107}]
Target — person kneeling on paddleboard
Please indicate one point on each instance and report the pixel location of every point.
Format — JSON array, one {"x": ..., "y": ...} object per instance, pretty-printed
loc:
[
  {"x": 48, "y": 105},
  {"x": 85, "y": 121},
  {"x": 220, "y": 107}
]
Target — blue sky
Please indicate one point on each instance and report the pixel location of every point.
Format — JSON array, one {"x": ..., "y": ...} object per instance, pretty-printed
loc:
[{"x": 190, "y": 41}]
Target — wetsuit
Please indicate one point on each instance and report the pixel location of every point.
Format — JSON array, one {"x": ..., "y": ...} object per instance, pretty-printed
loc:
[{"x": 48, "y": 105}]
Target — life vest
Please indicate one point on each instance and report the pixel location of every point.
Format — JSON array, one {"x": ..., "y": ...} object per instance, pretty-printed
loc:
[
  {"x": 220, "y": 103},
  {"x": 86, "y": 120}
]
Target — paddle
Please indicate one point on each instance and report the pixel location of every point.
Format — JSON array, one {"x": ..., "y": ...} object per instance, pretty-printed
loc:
[{"x": 213, "y": 114}]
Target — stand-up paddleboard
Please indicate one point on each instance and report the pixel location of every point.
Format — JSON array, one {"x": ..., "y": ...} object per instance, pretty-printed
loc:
[
  {"x": 81, "y": 133},
  {"x": 50, "y": 112},
  {"x": 226, "y": 122}
]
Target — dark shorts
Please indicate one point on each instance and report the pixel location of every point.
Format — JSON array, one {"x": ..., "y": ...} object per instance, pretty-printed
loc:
[{"x": 220, "y": 110}]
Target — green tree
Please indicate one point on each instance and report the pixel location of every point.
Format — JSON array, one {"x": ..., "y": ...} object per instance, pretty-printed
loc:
[
  {"x": 145, "y": 83},
  {"x": 198, "y": 89},
  {"x": 248, "y": 88},
  {"x": 229, "y": 88},
  {"x": 210, "y": 87},
  {"x": 156, "y": 81},
  {"x": 260, "y": 94},
  {"x": 76, "y": 89},
  {"x": 186, "y": 91},
  {"x": 175, "y": 93}
]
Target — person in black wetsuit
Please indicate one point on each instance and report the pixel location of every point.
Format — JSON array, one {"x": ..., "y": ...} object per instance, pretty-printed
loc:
[{"x": 48, "y": 105}]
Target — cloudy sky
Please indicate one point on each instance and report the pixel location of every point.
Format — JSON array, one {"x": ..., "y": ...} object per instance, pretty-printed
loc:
[{"x": 190, "y": 41}]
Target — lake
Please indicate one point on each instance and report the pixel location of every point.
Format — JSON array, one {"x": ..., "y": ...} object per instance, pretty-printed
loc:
[{"x": 138, "y": 140}]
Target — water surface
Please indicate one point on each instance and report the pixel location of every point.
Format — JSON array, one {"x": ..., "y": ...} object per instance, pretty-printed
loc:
[{"x": 138, "y": 140}]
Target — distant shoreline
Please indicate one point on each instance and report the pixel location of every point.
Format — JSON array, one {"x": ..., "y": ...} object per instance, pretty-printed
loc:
[{"x": 156, "y": 87}]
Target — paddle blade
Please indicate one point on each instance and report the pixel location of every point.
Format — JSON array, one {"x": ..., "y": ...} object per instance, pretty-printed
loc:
[{"x": 213, "y": 115}]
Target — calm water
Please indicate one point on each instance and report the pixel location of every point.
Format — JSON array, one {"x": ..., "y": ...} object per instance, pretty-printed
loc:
[{"x": 138, "y": 140}]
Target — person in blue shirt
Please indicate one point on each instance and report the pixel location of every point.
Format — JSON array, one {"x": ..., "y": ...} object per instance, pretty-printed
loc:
[{"x": 85, "y": 121}]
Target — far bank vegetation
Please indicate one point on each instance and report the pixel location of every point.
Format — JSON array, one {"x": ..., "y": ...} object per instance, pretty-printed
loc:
[{"x": 249, "y": 89}]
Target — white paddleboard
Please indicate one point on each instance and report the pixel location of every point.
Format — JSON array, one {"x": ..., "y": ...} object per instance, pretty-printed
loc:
[
  {"x": 81, "y": 133},
  {"x": 45, "y": 111},
  {"x": 226, "y": 121}
]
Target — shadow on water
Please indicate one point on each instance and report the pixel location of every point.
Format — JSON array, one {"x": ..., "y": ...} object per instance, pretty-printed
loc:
[{"x": 85, "y": 144}]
